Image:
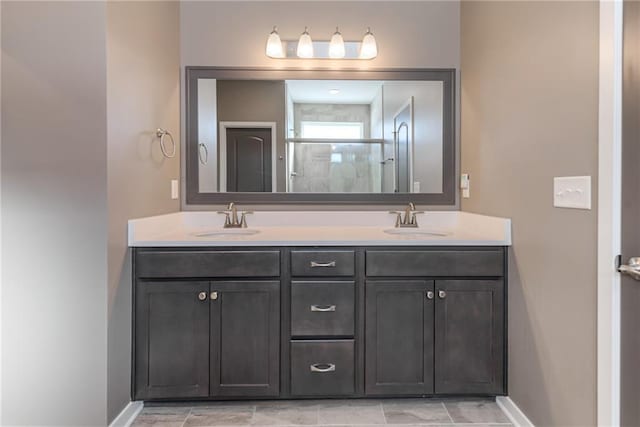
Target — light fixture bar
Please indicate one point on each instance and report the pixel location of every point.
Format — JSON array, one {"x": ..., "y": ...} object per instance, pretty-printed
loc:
[{"x": 321, "y": 49}]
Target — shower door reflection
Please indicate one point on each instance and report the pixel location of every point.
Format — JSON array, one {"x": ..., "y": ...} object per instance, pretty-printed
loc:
[{"x": 334, "y": 166}]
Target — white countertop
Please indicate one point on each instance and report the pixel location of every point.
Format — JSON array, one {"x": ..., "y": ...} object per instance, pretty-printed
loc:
[{"x": 320, "y": 228}]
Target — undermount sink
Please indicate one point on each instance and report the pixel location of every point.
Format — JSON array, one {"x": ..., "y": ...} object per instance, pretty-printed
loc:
[
  {"x": 227, "y": 232},
  {"x": 415, "y": 232}
]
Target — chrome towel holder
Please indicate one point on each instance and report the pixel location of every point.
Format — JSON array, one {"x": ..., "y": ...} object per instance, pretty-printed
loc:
[{"x": 161, "y": 133}]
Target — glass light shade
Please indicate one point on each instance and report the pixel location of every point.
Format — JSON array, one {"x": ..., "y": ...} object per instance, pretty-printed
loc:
[
  {"x": 369, "y": 48},
  {"x": 274, "y": 45},
  {"x": 336, "y": 46},
  {"x": 305, "y": 45}
]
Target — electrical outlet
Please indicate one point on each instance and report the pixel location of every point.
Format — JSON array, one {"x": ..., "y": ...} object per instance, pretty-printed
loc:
[
  {"x": 465, "y": 185},
  {"x": 174, "y": 189}
]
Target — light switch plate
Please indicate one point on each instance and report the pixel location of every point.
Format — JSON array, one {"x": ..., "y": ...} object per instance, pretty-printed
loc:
[
  {"x": 572, "y": 192},
  {"x": 174, "y": 189}
]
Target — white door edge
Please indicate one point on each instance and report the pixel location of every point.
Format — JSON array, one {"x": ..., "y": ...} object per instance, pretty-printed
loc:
[{"x": 609, "y": 212}]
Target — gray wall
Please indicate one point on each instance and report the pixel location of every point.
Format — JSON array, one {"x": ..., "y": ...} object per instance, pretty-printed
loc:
[
  {"x": 54, "y": 214},
  {"x": 143, "y": 82},
  {"x": 409, "y": 34},
  {"x": 530, "y": 112},
  {"x": 255, "y": 101}
]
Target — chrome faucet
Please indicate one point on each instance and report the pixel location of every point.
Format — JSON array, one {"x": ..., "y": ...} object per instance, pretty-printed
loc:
[
  {"x": 409, "y": 219},
  {"x": 231, "y": 220}
]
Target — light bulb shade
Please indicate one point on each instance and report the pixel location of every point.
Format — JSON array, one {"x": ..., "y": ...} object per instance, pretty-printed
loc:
[
  {"x": 369, "y": 48},
  {"x": 336, "y": 46},
  {"x": 274, "y": 45},
  {"x": 305, "y": 46}
]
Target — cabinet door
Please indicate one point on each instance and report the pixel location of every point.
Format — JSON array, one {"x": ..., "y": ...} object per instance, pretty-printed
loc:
[
  {"x": 469, "y": 337},
  {"x": 399, "y": 337},
  {"x": 171, "y": 340},
  {"x": 245, "y": 338}
]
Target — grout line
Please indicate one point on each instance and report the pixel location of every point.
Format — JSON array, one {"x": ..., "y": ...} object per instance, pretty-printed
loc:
[
  {"x": 384, "y": 416},
  {"x": 448, "y": 413},
  {"x": 187, "y": 417}
]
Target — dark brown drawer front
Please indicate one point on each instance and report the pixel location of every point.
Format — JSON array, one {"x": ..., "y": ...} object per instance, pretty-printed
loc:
[
  {"x": 322, "y": 263},
  {"x": 435, "y": 263},
  {"x": 322, "y": 368},
  {"x": 169, "y": 264},
  {"x": 322, "y": 308}
]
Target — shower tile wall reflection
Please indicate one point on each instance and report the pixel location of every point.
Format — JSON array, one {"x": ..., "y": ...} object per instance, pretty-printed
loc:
[{"x": 336, "y": 167}]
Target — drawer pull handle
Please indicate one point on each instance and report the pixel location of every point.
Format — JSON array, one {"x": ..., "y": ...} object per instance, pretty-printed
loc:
[
  {"x": 323, "y": 309},
  {"x": 202, "y": 296},
  {"x": 323, "y": 367},
  {"x": 315, "y": 264}
]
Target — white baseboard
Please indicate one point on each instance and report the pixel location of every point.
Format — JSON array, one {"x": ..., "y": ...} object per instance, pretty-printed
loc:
[
  {"x": 515, "y": 414},
  {"x": 127, "y": 415}
]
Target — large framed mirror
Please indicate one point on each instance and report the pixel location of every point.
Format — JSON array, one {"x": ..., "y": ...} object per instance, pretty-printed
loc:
[{"x": 320, "y": 136}]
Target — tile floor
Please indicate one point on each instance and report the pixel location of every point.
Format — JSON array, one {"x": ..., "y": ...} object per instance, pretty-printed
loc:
[{"x": 360, "y": 413}]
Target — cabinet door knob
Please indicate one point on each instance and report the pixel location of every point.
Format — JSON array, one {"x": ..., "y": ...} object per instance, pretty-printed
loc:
[
  {"x": 442, "y": 294},
  {"x": 202, "y": 296},
  {"x": 214, "y": 296},
  {"x": 430, "y": 294}
]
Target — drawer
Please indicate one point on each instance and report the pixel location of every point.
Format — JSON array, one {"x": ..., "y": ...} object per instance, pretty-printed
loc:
[
  {"x": 322, "y": 368},
  {"x": 322, "y": 308},
  {"x": 322, "y": 263},
  {"x": 453, "y": 263},
  {"x": 170, "y": 264}
]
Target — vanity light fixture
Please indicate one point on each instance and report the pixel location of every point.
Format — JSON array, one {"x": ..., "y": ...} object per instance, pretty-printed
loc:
[
  {"x": 305, "y": 45},
  {"x": 274, "y": 45},
  {"x": 369, "y": 48},
  {"x": 336, "y": 46}
]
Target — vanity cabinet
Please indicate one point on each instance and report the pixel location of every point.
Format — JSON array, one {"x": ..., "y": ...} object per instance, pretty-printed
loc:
[
  {"x": 469, "y": 336},
  {"x": 171, "y": 339},
  {"x": 221, "y": 323},
  {"x": 197, "y": 338},
  {"x": 399, "y": 337}
]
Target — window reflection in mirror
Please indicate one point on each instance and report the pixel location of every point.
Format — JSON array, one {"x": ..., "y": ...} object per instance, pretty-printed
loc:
[{"x": 320, "y": 136}]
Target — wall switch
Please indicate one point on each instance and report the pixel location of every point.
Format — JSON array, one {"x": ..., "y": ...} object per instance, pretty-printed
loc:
[
  {"x": 416, "y": 186},
  {"x": 465, "y": 185},
  {"x": 572, "y": 192},
  {"x": 174, "y": 189}
]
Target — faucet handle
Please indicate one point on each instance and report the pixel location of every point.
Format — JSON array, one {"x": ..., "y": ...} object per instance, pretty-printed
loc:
[
  {"x": 243, "y": 218},
  {"x": 414, "y": 220},
  {"x": 227, "y": 219},
  {"x": 398, "y": 217}
]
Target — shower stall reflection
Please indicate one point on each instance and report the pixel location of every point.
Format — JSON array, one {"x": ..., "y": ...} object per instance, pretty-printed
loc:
[{"x": 335, "y": 166}]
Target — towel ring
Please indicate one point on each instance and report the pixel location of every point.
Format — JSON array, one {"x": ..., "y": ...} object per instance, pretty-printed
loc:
[
  {"x": 161, "y": 133},
  {"x": 206, "y": 153}
]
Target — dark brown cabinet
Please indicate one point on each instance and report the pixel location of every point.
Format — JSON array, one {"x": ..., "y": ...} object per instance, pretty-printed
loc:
[
  {"x": 171, "y": 339},
  {"x": 469, "y": 337},
  {"x": 245, "y": 338},
  {"x": 224, "y": 323},
  {"x": 443, "y": 337},
  {"x": 399, "y": 337},
  {"x": 200, "y": 339}
]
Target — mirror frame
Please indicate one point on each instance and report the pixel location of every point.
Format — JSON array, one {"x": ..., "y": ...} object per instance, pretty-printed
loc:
[{"x": 446, "y": 76}]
